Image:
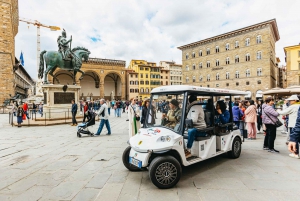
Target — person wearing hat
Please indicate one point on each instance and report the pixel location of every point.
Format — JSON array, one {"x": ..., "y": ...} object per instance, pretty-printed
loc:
[
  {"x": 173, "y": 116},
  {"x": 295, "y": 138},
  {"x": 292, "y": 111}
]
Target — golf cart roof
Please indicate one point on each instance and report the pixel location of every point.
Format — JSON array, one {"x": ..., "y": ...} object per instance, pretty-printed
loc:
[{"x": 199, "y": 90}]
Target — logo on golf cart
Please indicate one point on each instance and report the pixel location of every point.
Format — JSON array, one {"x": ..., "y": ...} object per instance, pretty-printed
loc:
[
  {"x": 153, "y": 131},
  {"x": 140, "y": 142}
]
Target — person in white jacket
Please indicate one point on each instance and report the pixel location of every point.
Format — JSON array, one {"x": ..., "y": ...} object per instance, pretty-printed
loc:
[
  {"x": 103, "y": 113},
  {"x": 292, "y": 111},
  {"x": 133, "y": 116}
]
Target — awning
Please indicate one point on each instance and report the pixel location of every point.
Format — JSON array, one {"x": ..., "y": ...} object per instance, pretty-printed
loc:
[
  {"x": 248, "y": 94},
  {"x": 236, "y": 96},
  {"x": 259, "y": 94}
]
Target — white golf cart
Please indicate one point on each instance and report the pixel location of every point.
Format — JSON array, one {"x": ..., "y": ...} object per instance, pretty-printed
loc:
[{"x": 161, "y": 148}]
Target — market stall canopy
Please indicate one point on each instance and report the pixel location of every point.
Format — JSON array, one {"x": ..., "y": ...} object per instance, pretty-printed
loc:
[
  {"x": 275, "y": 90},
  {"x": 283, "y": 92},
  {"x": 248, "y": 94},
  {"x": 259, "y": 94}
]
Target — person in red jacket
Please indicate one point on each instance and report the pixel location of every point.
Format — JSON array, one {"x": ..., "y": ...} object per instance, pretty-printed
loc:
[
  {"x": 25, "y": 108},
  {"x": 85, "y": 109}
]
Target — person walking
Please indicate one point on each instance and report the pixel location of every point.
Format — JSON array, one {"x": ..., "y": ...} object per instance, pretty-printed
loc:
[
  {"x": 85, "y": 111},
  {"x": 20, "y": 113},
  {"x": 292, "y": 111},
  {"x": 14, "y": 109},
  {"x": 103, "y": 113},
  {"x": 41, "y": 109},
  {"x": 250, "y": 119},
  {"x": 259, "y": 119},
  {"x": 74, "y": 112},
  {"x": 293, "y": 145},
  {"x": 237, "y": 114},
  {"x": 269, "y": 117},
  {"x": 108, "y": 106},
  {"x": 25, "y": 108},
  {"x": 34, "y": 108},
  {"x": 133, "y": 116},
  {"x": 242, "y": 106}
]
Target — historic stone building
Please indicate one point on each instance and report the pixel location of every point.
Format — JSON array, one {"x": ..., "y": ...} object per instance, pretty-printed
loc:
[
  {"x": 292, "y": 57},
  {"x": 9, "y": 22},
  {"x": 175, "y": 72},
  {"x": 132, "y": 84},
  {"x": 242, "y": 59},
  {"x": 104, "y": 78}
]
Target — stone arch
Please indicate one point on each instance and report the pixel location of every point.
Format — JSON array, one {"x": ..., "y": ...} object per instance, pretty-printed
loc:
[
  {"x": 64, "y": 77},
  {"x": 113, "y": 82},
  {"x": 90, "y": 85}
]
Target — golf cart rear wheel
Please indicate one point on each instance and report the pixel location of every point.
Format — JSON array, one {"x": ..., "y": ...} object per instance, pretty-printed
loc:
[
  {"x": 126, "y": 163},
  {"x": 165, "y": 171},
  {"x": 236, "y": 148}
]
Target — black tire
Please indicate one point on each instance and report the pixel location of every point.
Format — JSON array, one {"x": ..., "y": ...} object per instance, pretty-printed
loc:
[
  {"x": 78, "y": 134},
  {"x": 165, "y": 171},
  {"x": 236, "y": 148},
  {"x": 125, "y": 158}
]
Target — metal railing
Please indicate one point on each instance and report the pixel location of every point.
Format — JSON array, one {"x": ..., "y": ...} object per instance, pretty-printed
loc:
[{"x": 65, "y": 117}]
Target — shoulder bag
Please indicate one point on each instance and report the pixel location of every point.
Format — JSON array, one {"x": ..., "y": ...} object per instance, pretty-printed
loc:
[
  {"x": 277, "y": 123},
  {"x": 137, "y": 118}
]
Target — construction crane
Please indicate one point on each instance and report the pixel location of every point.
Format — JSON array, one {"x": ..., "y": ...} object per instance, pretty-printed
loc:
[{"x": 38, "y": 25}]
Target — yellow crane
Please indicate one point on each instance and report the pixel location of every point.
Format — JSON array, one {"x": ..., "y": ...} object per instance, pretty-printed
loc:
[{"x": 38, "y": 25}]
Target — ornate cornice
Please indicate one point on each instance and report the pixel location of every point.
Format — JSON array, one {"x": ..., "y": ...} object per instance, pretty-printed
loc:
[
  {"x": 236, "y": 32},
  {"x": 106, "y": 62}
]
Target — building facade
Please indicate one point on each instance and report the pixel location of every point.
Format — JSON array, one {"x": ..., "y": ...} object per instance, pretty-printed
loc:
[
  {"x": 104, "y": 78},
  {"x": 132, "y": 84},
  {"x": 9, "y": 22},
  {"x": 292, "y": 57},
  {"x": 242, "y": 59},
  {"x": 175, "y": 72}
]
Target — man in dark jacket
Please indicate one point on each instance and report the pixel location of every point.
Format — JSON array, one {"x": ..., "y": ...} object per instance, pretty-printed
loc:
[
  {"x": 295, "y": 137},
  {"x": 74, "y": 112}
]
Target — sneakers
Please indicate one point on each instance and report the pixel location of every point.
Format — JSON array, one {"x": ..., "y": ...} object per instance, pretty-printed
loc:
[
  {"x": 294, "y": 155},
  {"x": 274, "y": 151},
  {"x": 187, "y": 153},
  {"x": 266, "y": 148}
]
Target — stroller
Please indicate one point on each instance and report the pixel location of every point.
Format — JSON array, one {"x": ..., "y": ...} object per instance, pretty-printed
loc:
[{"x": 83, "y": 127}]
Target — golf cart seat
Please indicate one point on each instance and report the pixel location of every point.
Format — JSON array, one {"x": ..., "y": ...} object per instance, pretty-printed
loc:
[
  {"x": 197, "y": 138},
  {"x": 225, "y": 129}
]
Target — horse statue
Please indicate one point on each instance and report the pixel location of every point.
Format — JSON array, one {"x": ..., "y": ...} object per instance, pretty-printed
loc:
[{"x": 54, "y": 60}]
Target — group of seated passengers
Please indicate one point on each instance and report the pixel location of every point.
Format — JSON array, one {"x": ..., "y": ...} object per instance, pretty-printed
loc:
[
  {"x": 196, "y": 113},
  {"x": 173, "y": 116}
]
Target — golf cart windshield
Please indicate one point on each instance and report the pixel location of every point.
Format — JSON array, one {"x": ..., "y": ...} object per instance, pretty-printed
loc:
[{"x": 165, "y": 110}]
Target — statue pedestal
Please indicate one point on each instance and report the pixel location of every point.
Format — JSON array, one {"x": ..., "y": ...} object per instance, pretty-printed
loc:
[{"x": 57, "y": 100}]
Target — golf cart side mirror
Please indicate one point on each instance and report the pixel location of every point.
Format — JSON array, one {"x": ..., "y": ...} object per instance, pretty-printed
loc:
[{"x": 189, "y": 123}]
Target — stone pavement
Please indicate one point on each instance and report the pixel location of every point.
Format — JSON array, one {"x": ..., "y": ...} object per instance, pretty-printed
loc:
[{"x": 51, "y": 163}]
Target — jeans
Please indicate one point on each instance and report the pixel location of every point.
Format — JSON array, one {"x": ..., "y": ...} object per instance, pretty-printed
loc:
[
  {"x": 102, "y": 122},
  {"x": 41, "y": 112},
  {"x": 237, "y": 123},
  {"x": 259, "y": 122},
  {"x": 26, "y": 114},
  {"x": 192, "y": 134},
  {"x": 108, "y": 111},
  {"x": 74, "y": 118},
  {"x": 119, "y": 112},
  {"x": 270, "y": 136}
]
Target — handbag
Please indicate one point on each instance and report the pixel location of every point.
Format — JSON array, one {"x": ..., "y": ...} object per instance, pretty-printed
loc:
[
  {"x": 137, "y": 118},
  {"x": 24, "y": 116},
  {"x": 277, "y": 123}
]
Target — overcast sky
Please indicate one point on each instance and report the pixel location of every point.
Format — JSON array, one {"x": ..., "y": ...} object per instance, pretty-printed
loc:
[{"x": 150, "y": 29}]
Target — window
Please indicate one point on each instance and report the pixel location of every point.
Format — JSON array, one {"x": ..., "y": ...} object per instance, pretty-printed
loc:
[
  {"x": 208, "y": 85},
  {"x": 218, "y": 76},
  {"x": 167, "y": 83},
  {"x": 200, "y": 85},
  {"x": 200, "y": 78},
  {"x": 147, "y": 82},
  {"x": 258, "y": 81},
  {"x": 187, "y": 79},
  {"x": 298, "y": 53},
  {"x": 147, "y": 69},
  {"x": 258, "y": 55},
  {"x": 247, "y": 83},
  {"x": 147, "y": 90},
  {"x": 194, "y": 78},
  {"x": 207, "y": 51},
  {"x": 146, "y": 75},
  {"x": 247, "y": 42},
  {"x": 227, "y": 46},
  {"x": 217, "y": 85},
  {"x": 131, "y": 90},
  {"x": 166, "y": 77},
  {"x": 258, "y": 39},
  {"x": 136, "y": 90},
  {"x": 194, "y": 67},
  {"x": 227, "y": 84},
  {"x": 208, "y": 78},
  {"x": 141, "y": 75},
  {"x": 161, "y": 83},
  {"x": 161, "y": 77},
  {"x": 200, "y": 65},
  {"x": 236, "y": 84},
  {"x": 193, "y": 55},
  {"x": 187, "y": 56},
  {"x": 142, "y": 82},
  {"x": 200, "y": 53},
  {"x": 227, "y": 75},
  {"x": 136, "y": 76},
  {"x": 137, "y": 82},
  {"x": 187, "y": 68},
  {"x": 131, "y": 75},
  {"x": 237, "y": 45},
  {"x": 259, "y": 72},
  {"x": 208, "y": 64},
  {"x": 247, "y": 57},
  {"x": 247, "y": 73},
  {"x": 237, "y": 59},
  {"x": 141, "y": 68},
  {"x": 217, "y": 49},
  {"x": 217, "y": 62},
  {"x": 227, "y": 60},
  {"x": 298, "y": 66},
  {"x": 142, "y": 90},
  {"x": 237, "y": 74}
]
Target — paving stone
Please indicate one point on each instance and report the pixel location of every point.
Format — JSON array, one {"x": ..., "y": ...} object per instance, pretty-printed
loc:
[
  {"x": 99, "y": 180},
  {"x": 132, "y": 183},
  {"x": 110, "y": 192},
  {"x": 86, "y": 194},
  {"x": 20, "y": 186},
  {"x": 34, "y": 193},
  {"x": 216, "y": 195}
]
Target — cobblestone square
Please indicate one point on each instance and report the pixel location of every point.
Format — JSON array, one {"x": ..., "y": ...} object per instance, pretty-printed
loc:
[{"x": 51, "y": 163}]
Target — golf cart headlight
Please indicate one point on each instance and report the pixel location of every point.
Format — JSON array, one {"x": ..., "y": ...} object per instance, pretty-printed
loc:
[
  {"x": 168, "y": 138},
  {"x": 163, "y": 138}
]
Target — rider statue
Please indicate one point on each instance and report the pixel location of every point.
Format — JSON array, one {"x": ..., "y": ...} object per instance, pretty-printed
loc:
[{"x": 63, "y": 46}]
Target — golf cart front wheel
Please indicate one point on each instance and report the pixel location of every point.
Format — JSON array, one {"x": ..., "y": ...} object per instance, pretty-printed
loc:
[
  {"x": 126, "y": 163},
  {"x": 165, "y": 171},
  {"x": 236, "y": 148}
]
